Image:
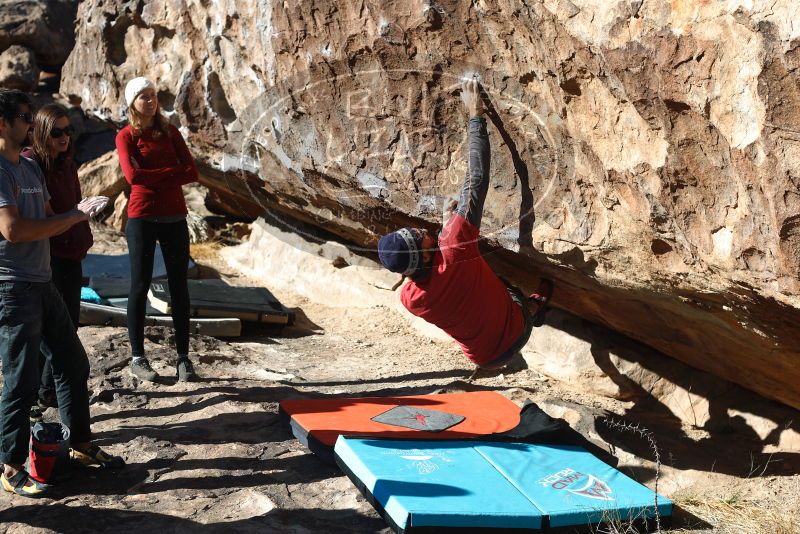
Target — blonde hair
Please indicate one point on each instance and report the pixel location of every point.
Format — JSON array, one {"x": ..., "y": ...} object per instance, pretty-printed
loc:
[
  {"x": 160, "y": 123},
  {"x": 43, "y": 124}
]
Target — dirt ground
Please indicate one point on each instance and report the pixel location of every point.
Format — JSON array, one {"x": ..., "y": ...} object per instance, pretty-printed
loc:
[{"x": 212, "y": 456}]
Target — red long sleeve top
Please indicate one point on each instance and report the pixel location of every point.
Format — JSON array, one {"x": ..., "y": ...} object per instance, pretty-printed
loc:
[
  {"x": 464, "y": 297},
  {"x": 165, "y": 164}
]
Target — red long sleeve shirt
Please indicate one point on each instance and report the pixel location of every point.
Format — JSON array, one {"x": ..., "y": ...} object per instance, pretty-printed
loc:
[
  {"x": 165, "y": 164},
  {"x": 464, "y": 297}
]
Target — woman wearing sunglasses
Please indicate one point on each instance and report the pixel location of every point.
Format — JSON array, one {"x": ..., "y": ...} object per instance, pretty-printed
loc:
[
  {"x": 52, "y": 150},
  {"x": 156, "y": 162}
]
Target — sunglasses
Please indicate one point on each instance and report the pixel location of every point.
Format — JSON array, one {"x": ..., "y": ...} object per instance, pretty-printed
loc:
[
  {"x": 55, "y": 133},
  {"x": 27, "y": 117}
]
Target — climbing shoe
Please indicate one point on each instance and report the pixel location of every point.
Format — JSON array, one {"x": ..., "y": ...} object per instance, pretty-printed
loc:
[
  {"x": 94, "y": 456},
  {"x": 140, "y": 368},
  {"x": 186, "y": 370},
  {"x": 23, "y": 484},
  {"x": 542, "y": 299}
]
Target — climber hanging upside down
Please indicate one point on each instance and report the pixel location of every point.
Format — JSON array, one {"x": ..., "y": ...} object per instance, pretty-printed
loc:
[{"x": 451, "y": 285}]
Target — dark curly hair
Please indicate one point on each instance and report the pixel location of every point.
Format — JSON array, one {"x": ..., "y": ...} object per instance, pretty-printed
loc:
[{"x": 10, "y": 101}]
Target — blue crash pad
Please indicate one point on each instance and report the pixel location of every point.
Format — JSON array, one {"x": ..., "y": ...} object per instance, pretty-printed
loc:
[
  {"x": 119, "y": 266},
  {"x": 430, "y": 485},
  {"x": 571, "y": 486},
  {"x": 90, "y": 295}
]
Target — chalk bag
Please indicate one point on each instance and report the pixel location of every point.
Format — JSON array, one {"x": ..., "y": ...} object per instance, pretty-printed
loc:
[{"x": 49, "y": 456}]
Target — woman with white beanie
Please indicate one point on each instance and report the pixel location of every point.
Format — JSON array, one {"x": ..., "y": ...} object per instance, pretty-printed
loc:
[{"x": 156, "y": 163}]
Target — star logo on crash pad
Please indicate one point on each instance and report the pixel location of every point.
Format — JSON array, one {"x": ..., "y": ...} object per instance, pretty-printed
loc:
[{"x": 418, "y": 418}]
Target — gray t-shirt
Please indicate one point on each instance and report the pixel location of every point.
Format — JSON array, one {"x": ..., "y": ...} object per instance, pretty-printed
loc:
[{"x": 23, "y": 186}]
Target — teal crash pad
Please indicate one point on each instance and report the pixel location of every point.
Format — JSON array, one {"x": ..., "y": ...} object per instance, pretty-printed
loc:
[
  {"x": 463, "y": 486},
  {"x": 119, "y": 266}
]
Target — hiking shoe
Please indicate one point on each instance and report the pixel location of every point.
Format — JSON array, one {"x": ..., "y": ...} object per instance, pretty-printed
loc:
[
  {"x": 23, "y": 484},
  {"x": 186, "y": 371},
  {"x": 140, "y": 368},
  {"x": 94, "y": 456}
]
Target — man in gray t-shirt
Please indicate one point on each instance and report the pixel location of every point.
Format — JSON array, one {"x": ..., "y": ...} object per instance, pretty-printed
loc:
[
  {"x": 31, "y": 309},
  {"x": 22, "y": 185}
]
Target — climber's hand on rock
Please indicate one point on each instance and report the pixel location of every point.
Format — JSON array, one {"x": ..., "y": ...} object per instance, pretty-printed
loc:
[{"x": 471, "y": 96}]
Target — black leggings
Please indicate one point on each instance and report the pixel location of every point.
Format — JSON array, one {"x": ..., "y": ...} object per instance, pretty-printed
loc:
[{"x": 174, "y": 240}]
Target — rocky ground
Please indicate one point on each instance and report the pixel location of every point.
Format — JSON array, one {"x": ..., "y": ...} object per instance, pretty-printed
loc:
[{"x": 213, "y": 455}]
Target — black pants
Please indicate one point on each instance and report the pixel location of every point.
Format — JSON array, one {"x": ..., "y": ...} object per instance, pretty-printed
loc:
[
  {"x": 520, "y": 300},
  {"x": 174, "y": 241},
  {"x": 29, "y": 312},
  {"x": 68, "y": 279}
]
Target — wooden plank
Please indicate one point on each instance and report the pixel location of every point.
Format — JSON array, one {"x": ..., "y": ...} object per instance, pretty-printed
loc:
[
  {"x": 215, "y": 298},
  {"x": 99, "y": 314},
  {"x": 254, "y": 317}
]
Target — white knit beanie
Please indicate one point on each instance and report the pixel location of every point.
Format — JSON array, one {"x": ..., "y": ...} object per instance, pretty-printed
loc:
[{"x": 136, "y": 86}]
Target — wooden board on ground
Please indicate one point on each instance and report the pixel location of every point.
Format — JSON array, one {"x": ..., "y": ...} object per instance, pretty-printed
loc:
[
  {"x": 122, "y": 302},
  {"x": 215, "y": 298},
  {"x": 102, "y": 315}
]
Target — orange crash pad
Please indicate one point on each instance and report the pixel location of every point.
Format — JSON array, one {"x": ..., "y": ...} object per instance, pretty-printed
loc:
[{"x": 317, "y": 423}]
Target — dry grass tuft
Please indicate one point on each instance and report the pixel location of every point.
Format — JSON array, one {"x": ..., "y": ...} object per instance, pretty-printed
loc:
[
  {"x": 736, "y": 515},
  {"x": 733, "y": 515},
  {"x": 205, "y": 251}
]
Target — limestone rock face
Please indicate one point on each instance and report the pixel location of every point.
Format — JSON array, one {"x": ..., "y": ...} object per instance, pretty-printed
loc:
[
  {"x": 44, "y": 26},
  {"x": 591, "y": 358},
  {"x": 119, "y": 217},
  {"x": 18, "y": 69},
  {"x": 320, "y": 270},
  {"x": 646, "y": 155},
  {"x": 102, "y": 176}
]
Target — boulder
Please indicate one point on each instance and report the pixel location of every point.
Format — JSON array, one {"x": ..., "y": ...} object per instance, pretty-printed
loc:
[
  {"x": 44, "y": 26},
  {"x": 645, "y": 154},
  {"x": 119, "y": 216},
  {"x": 594, "y": 359},
  {"x": 18, "y": 69},
  {"x": 301, "y": 258},
  {"x": 308, "y": 264},
  {"x": 102, "y": 176}
]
